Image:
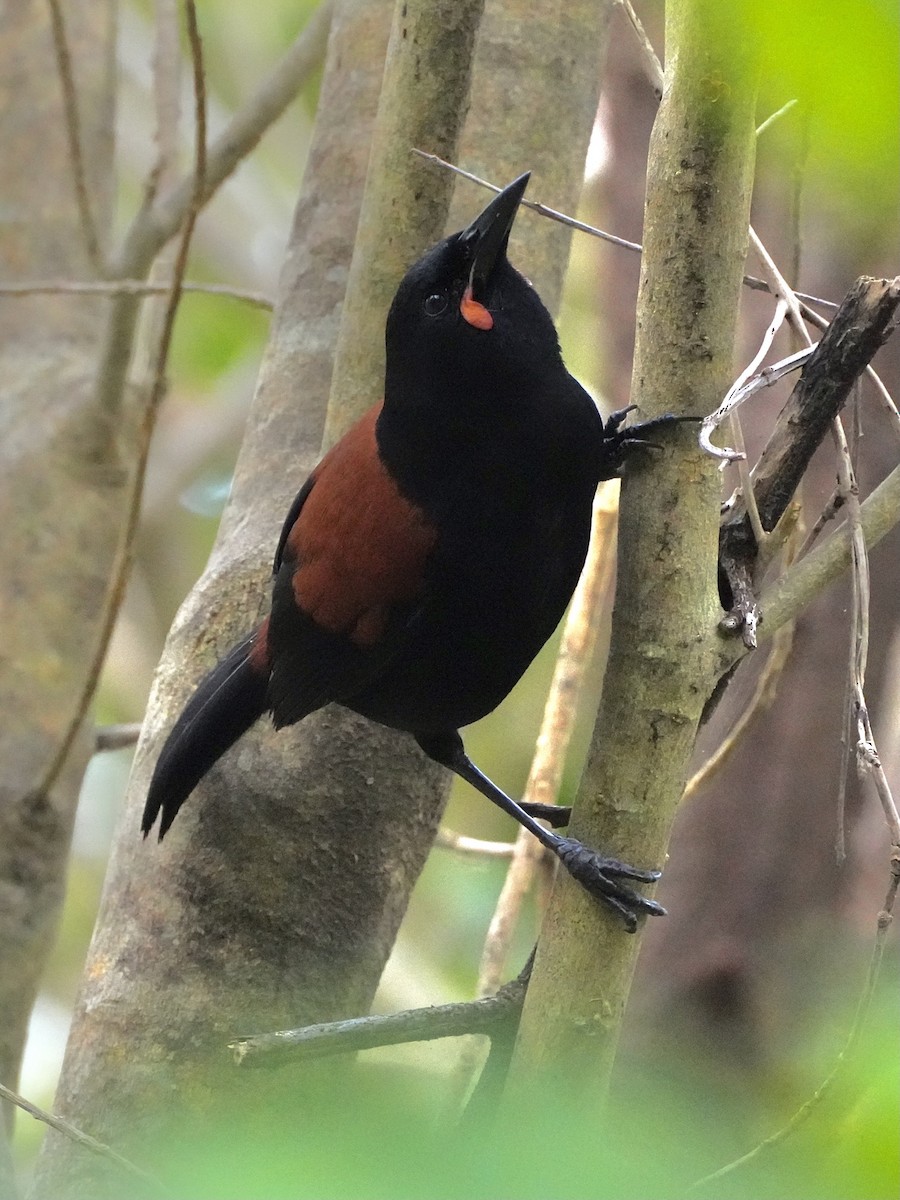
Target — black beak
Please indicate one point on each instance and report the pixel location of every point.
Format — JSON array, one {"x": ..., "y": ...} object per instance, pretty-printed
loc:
[{"x": 489, "y": 233}]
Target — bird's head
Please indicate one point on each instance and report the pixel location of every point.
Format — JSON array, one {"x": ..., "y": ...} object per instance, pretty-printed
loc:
[{"x": 464, "y": 316}]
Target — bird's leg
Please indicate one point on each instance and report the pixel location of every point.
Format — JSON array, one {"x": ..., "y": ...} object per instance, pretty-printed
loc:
[{"x": 600, "y": 876}]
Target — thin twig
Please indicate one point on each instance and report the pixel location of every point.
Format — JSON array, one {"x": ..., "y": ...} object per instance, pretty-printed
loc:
[
  {"x": 763, "y": 696},
  {"x": 885, "y": 918},
  {"x": 652, "y": 65},
  {"x": 749, "y": 281},
  {"x": 365, "y": 1033},
  {"x": 67, "y": 1129},
  {"x": 543, "y": 209},
  {"x": 545, "y": 776},
  {"x": 859, "y": 622},
  {"x": 737, "y": 394},
  {"x": 130, "y": 287},
  {"x": 447, "y": 839},
  {"x": 122, "y": 566},
  {"x": 776, "y": 116},
  {"x": 117, "y": 737},
  {"x": 73, "y": 134}
]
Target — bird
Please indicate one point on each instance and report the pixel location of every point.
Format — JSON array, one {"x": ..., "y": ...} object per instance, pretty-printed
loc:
[{"x": 435, "y": 547}]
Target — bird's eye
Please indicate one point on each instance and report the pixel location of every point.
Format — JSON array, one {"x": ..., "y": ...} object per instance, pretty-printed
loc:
[{"x": 436, "y": 304}]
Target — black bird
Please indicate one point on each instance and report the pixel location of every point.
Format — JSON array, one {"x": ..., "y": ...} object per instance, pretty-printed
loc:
[{"x": 433, "y": 550}]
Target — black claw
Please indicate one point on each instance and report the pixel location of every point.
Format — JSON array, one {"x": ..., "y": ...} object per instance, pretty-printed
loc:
[
  {"x": 619, "y": 443},
  {"x": 600, "y": 876}
]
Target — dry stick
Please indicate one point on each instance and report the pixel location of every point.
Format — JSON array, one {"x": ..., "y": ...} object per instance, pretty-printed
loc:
[
  {"x": 848, "y": 344},
  {"x": 883, "y": 394},
  {"x": 67, "y": 1129},
  {"x": 448, "y": 839},
  {"x": 121, "y": 568},
  {"x": 117, "y": 737},
  {"x": 763, "y": 694},
  {"x": 575, "y": 652},
  {"x": 365, "y": 1033},
  {"x": 859, "y": 623},
  {"x": 73, "y": 133},
  {"x": 867, "y": 757},
  {"x": 130, "y": 287},
  {"x": 884, "y": 920},
  {"x": 749, "y": 281}
]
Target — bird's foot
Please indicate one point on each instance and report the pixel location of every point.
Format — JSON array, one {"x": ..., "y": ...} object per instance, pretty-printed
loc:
[
  {"x": 603, "y": 877},
  {"x": 619, "y": 443}
]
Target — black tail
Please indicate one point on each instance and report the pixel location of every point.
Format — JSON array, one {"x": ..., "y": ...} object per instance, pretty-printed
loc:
[{"x": 226, "y": 703}]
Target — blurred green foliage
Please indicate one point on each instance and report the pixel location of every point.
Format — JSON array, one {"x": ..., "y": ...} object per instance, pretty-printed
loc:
[
  {"x": 378, "y": 1139},
  {"x": 839, "y": 61}
]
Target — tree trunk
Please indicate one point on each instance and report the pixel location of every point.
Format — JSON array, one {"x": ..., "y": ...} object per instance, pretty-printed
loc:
[
  {"x": 61, "y": 504},
  {"x": 663, "y": 651}
]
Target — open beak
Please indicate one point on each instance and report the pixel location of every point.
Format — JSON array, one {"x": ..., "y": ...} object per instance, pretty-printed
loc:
[{"x": 489, "y": 233}]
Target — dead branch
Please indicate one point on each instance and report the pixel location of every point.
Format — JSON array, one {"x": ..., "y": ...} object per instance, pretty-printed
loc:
[
  {"x": 859, "y": 328},
  {"x": 483, "y": 1016}
]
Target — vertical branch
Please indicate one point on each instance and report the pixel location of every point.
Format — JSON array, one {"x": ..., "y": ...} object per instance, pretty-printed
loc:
[
  {"x": 662, "y": 658},
  {"x": 423, "y": 102},
  {"x": 73, "y": 132},
  {"x": 576, "y": 650},
  {"x": 121, "y": 568}
]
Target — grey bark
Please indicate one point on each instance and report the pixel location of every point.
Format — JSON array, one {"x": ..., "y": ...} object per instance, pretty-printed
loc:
[{"x": 60, "y": 508}]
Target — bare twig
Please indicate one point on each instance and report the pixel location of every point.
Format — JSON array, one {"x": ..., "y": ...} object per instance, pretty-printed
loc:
[
  {"x": 750, "y": 281},
  {"x": 117, "y": 737},
  {"x": 859, "y": 621},
  {"x": 763, "y": 696},
  {"x": 543, "y": 209},
  {"x": 447, "y": 839},
  {"x": 576, "y": 649},
  {"x": 776, "y": 116},
  {"x": 845, "y": 349},
  {"x": 867, "y": 757},
  {"x": 652, "y": 65},
  {"x": 885, "y": 918},
  {"x": 120, "y": 572},
  {"x": 67, "y": 1129},
  {"x": 364, "y": 1033},
  {"x": 130, "y": 287},
  {"x": 73, "y": 134},
  {"x": 544, "y": 778}
]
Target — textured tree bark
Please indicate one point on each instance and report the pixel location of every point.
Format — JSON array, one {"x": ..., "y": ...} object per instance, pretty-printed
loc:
[
  {"x": 60, "y": 508},
  {"x": 663, "y": 651},
  {"x": 277, "y": 895}
]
